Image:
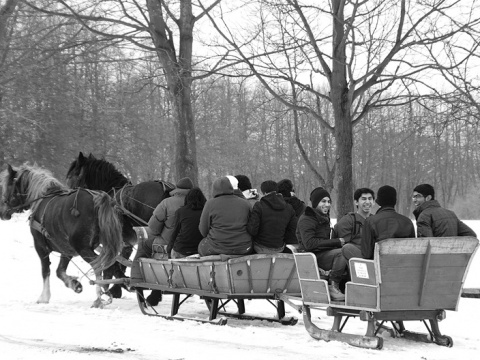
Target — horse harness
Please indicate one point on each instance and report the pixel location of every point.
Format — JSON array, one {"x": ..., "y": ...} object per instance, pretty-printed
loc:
[
  {"x": 167, "y": 187},
  {"x": 34, "y": 224}
]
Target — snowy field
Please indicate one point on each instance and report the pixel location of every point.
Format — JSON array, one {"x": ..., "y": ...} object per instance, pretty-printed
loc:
[{"x": 68, "y": 328}]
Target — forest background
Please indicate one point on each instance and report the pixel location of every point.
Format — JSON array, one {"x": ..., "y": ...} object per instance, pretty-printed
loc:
[{"x": 88, "y": 76}]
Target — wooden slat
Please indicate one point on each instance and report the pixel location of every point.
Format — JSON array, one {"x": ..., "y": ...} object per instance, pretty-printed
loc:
[
  {"x": 411, "y": 289},
  {"x": 412, "y": 274},
  {"x": 416, "y": 260},
  {"x": 445, "y": 245},
  {"x": 363, "y": 271},
  {"x": 408, "y": 302},
  {"x": 361, "y": 295},
  {"x": 314, "y": 291},
  {"x": 307, "y": 267},
  {"x": 424, "y": 276}
]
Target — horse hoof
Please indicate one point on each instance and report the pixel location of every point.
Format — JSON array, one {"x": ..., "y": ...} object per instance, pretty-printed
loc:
[
  {"x": 154, "y": 298},
  {"x": 97, "y": 304},
  {"x": 77, "y": 287},
  {"x": 116, "y": 292}
]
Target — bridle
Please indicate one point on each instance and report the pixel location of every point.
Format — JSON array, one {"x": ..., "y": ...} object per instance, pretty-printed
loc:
[{"x": 16, "y": 196}]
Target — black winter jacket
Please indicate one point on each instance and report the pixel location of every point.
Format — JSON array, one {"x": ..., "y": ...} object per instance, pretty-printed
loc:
[
  {"x": 186, "y": 236},
  {"x": 272, "y": 222},
  {"x": 385, "y": 224},
  {"x": 313, "y": 232}
]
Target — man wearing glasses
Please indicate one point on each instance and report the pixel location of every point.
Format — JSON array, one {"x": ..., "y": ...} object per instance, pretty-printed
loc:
[{"x": 432, "y": 219}]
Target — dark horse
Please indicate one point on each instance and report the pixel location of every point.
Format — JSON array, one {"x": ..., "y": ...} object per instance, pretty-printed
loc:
[
  {"x": 70, "y": 222},
  {"x": 137, "y": 202}
]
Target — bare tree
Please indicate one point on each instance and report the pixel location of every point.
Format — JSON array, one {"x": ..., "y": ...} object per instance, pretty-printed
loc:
[
  {"x": 164, "y": 27},
  {"x": 368, "y": 54}
]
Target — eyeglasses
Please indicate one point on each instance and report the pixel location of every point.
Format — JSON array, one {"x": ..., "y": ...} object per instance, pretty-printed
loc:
[{"x": 417, "y": 196}]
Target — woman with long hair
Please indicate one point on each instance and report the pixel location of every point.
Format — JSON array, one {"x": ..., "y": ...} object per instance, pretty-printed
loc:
[{"x": 186, "y": 236}]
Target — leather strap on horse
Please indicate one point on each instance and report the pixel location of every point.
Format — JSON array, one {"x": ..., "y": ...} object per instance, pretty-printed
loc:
[{"x": 127, "y": 212}]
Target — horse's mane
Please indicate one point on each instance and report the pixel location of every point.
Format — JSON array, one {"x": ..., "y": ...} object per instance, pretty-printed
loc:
[
  {"x": 37, "y": 181},
  {"x": 99, "y": 174}
]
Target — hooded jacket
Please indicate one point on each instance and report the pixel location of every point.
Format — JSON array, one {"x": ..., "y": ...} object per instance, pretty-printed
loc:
[
  {"x": 433, "y": 220},
  {"x": 162, "y": 222},
  {"x": 385, "y": 224},
  {"x": 297, "y": 205},
  {"x": 272, "y": 222},
  {"x": 313, "y": 232},
  {"x": 224, "y": 220}
]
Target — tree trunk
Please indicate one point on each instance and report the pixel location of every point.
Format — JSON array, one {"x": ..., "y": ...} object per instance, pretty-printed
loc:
[
  {"x": 178, "y": 72},
  {"x": 341, "y": 109}
]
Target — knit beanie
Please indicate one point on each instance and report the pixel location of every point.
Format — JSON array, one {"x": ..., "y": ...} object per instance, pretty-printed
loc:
[
  {"x": 317, "y": 195},
  {"x": 243, "y": 182},
  {"x": 386, "y": 196},
  {"x": 425, "y": 190},
  {"x": 182, "y": 186}
]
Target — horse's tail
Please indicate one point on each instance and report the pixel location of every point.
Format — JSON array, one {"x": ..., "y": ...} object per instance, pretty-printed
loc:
[{"x": 110, "y": 231}]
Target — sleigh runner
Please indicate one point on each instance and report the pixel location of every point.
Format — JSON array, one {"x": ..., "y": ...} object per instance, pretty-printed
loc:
[
  {"x": 219, "y": 280},
  {"x": 409, "y": 279}
]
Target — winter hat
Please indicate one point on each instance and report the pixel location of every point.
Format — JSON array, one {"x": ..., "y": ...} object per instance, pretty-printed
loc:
[
  {"x": 233, "y": 181},
  {"x": 425, "y": 190},
  {"x": 243, "y": 182},
  {"x": 182, "y": 185},
  {"x": 386, "y": 196},
  {"x": 317, "y": 195}
]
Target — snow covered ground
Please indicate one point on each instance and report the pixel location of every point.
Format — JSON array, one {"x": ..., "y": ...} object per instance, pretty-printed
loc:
[{"x": 68, "y": 328}]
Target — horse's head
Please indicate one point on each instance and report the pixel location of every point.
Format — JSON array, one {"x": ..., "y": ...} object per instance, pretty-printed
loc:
[
  {"x": 13, "y": 197},
  {"x": 94, "y": 174},
  {"x": 75, "y": 175}
]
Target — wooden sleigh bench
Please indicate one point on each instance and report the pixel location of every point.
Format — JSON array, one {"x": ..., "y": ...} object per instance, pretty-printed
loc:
[
  {"x": 220, "y": 280},
  {"x": 408, "y": 280}
]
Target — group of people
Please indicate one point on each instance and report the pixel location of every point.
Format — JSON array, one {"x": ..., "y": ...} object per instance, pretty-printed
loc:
[{"x": 238, "y": 221}]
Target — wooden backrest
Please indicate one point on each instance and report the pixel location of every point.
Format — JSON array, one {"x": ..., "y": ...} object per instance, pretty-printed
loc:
[
  {"x": 314, "y": 289},
  {"x": 422, "y": 273}
]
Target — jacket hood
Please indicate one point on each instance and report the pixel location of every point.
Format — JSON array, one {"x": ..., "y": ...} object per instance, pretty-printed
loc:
[
  {"x": 275, "y": 201},
  {"x": 222, "y": 186},
  {"x": 294, "y": 201},
  {"x": 425, "y": 205}
]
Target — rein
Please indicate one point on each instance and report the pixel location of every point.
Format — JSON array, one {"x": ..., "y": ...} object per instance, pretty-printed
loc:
[{"x": 124, "y": 209}]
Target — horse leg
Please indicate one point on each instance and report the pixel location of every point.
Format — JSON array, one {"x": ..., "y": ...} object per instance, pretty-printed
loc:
[
  {"x": 119, "y": 272},
  {"x": 43, "y": 254},
  {"x": 116, "y": 290},
  {"x": 89, "y": 255},
  {"x": 69, "y": 281}
]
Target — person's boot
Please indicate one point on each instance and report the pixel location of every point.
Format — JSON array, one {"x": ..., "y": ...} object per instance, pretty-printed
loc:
[
  {"x": 335, "y": 293},
  {"x": 154, "y": 298}
]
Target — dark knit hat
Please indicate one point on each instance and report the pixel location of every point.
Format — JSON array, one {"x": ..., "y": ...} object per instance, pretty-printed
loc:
[
  {"x": 243, "y": 182},
  {"x": 182, "y": 185},
  {"x": 425, "y": 190},
  {"x": 317, "y": 195},
  {"x": 386, "y": 196}
]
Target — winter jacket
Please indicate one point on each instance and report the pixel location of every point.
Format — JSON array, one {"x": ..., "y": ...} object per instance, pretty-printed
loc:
[
  {"x": 186, "y": 236},
  {"x": 385, "y": 224},
  {"x": 163, "y": 219},
  {"x": 349, "y": 227},
  {"x": 433, "y": 220},
  {"x": 272, "y": 222},
  {"x": 313, "y": 232},
  {"x": 224, "y": 220},
  {"x": 297, "y": 205}
]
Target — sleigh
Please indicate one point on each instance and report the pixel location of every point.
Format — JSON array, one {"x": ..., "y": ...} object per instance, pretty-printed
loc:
[
  {"x": 408, "y": 280},
  {"x": 220, "y": 280}
]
